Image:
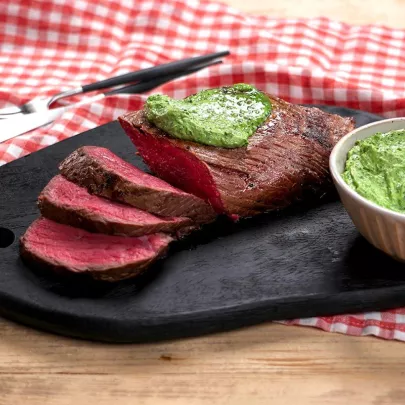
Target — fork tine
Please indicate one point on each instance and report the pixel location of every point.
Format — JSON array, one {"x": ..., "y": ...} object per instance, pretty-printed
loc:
[{"x": 9, "y": 111}]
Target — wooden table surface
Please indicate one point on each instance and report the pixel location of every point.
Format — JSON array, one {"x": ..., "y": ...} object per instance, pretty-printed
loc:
[{"x": 266, "y": 364}]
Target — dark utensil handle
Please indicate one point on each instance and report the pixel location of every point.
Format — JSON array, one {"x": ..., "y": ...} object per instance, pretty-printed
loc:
[
  {"x": 153, "y": 72},
  {"x": 151, "y": 84}
]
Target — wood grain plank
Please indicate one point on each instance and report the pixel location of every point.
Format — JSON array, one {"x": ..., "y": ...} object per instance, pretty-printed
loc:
[
  {"x": 197, "y": 389},
  {"x": 389, "y": 12},
  {"x": 268, "y": 348}
]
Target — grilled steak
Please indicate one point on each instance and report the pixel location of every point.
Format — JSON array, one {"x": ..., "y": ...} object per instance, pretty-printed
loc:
[
  {"x": 63, "y": 248},
  {"x": 105, "y": 174},
  {"x": 286, "y": 158},
  {"x": 70, "y": 204}
]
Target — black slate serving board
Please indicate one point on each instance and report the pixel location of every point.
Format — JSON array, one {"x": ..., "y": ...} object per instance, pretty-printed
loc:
[{"x": 304, "y": 261}]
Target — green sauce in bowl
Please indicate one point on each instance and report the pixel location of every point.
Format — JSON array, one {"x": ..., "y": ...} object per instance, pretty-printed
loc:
[{"x": 375, "y": 168}]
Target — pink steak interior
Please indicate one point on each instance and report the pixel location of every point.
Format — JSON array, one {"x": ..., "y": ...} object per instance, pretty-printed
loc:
[{"x": 177, "y": 166}]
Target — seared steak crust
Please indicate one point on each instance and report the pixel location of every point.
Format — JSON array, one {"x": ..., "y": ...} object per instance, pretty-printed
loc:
[
  {"x": 67, "y": 203},
  {"x": 286, "y": 158},
  {"x": 105, "y": 174}
]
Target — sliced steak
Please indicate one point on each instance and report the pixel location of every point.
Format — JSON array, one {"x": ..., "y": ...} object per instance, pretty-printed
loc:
[
  {"x": 70, "y": 204},
  {"x": 63, "y": 248},
  {"x": 285, "y": 159},
  {"x": 105, "y": 174}
]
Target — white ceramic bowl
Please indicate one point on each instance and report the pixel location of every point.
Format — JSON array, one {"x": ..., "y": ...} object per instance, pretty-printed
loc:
[{"x": 383, "y": 228}]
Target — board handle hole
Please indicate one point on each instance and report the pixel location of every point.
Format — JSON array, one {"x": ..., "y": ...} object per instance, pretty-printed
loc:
[{"x": 7, "y": 237}]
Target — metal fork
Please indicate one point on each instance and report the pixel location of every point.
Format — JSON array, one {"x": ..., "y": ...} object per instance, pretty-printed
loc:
[{"x": 145, "y": 75}]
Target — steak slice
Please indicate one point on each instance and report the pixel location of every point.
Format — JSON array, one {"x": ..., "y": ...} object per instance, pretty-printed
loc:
[
  {"x": 287, "y": 158},
  {"x": 105, "y": 174},
  {"x": 70, "y": 204},
  {"x": 63, "y": 248}
]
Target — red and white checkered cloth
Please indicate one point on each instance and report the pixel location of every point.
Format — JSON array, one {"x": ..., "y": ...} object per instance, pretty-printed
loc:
[{"x": 54, "y": 45}]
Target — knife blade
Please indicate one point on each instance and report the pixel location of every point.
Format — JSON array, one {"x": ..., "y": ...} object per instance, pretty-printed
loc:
[{"x": 14, "y": 126}]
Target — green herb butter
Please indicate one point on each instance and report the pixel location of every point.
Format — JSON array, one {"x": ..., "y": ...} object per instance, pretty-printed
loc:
[
  {"x": 225, "y": 117},
  {"x": 375, "y": 168}
]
